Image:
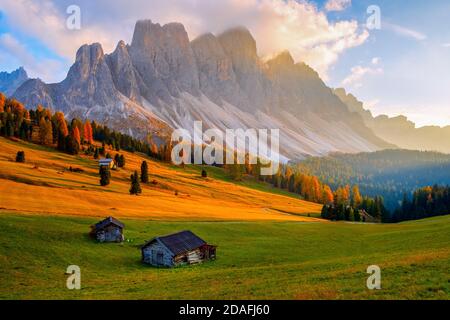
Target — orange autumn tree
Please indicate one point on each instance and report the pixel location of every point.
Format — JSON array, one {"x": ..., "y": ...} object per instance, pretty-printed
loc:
[
  {"x": 61, "y": 124},
  {"x": 88, "y": 133},
  {"x": 2, "y": 102},
  {"x": 327, "y": 197},
  {"x": 76, "y": 135},
  {"x": 45, "y": 131}
]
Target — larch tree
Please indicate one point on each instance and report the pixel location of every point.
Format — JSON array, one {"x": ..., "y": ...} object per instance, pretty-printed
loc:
[
  {"x": 76, "y": 135},
  {"x": 88, "y": 133},
  {"x": 45, "y": 132},
  {"x": 2, "y": 102},
  {"x": 356, "y": 197},
  {"x": 328, "y": 197}
]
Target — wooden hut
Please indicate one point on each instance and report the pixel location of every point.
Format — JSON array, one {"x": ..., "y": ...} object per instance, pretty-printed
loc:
[
  {"x": 107, "y": 163},
  {"x": 177, "y": 249},
  {"x": 108, "y": 230}
]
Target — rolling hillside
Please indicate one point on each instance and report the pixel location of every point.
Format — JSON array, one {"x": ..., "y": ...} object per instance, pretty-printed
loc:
[
  {"x": 270, "y": 245},
  {"x": 255, "y": 260},
  {"x": 43, "y": 185}
]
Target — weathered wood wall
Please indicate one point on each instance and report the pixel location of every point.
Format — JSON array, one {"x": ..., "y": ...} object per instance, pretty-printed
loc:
[
  {"x": 152, "y": 255},
  {"x": 110, "y": 234}
]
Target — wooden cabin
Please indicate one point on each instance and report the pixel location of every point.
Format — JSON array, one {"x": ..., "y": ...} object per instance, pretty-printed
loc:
[
  {"x": 107, "y": 163},
  {"x": 108, "y": 230},
  {"x": 177, "y": 249}
]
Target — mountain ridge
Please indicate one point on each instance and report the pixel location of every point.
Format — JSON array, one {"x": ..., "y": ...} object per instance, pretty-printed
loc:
[
  {"x": 399, "y": 130},
  {"x": 163, "y": 80}
]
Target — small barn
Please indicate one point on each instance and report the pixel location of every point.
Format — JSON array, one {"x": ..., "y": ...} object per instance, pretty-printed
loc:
[
  {"x": 108, "y": 230},
  {"x": 107, "y": 163},
  {"x": 177, "y": 249}
]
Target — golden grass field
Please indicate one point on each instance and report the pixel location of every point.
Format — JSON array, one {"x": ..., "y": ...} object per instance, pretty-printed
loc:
[{"x": 43, "y": 185}]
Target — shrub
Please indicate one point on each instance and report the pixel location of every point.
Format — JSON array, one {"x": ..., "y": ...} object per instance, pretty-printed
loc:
[{"x": 20, "y": 157}]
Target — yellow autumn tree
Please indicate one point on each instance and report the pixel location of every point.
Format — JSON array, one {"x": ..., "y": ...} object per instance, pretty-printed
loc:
[
  {"x": 356, "y": 197},
  {"x": 45, "y": 131},
  {"x": 327, "y": 196}
]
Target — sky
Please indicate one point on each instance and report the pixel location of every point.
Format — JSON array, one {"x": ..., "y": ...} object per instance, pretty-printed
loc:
[{"x": 400, "y": 66}]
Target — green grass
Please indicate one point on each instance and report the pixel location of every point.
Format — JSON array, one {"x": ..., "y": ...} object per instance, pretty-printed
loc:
[
  {"x": 247, "y": 181},
  {"x": 255, "y": 260}
]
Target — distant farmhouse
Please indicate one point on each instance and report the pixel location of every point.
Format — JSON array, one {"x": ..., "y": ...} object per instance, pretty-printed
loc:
[
  {"x": 177, "y": 249},
  {"x": 107, "y": 163},
  {"x": 108, "y": 230}
]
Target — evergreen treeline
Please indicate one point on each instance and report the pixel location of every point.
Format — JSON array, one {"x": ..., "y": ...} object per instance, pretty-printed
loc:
[
  {"x": 425, "y": 202},
  {"x": 388, "y": 173},
  {"x": 52, "y": 129}
]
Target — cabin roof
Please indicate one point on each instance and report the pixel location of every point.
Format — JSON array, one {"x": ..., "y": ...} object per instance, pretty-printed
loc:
[
  {"x": 110, "y": 220},
  {"x": 105, "y": 161},
  {"x": 179, "y": 242}
]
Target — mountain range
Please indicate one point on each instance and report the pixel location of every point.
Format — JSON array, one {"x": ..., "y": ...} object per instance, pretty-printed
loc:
[
  {"x": 162, "y": 81},
  {"x": 9, "y": 82},
  {"x": 399, "y": 130}
]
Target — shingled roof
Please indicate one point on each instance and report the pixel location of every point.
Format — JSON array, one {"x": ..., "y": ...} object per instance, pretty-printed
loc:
[
  {"x": 110, "y": 220},
  {"x": 180, "y": 242}
]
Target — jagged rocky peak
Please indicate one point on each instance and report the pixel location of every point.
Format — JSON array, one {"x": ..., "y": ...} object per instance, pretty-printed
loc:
[
  {"x": 87, "y": 61},
  {"x": 207, "y": 44},
  {"x": 20, "y": 73},
  {"x": 283, "y": 58},
  {"x": 90, "y": 53},
  {"x": 149, "y": 35},
  {"x": 211, "y": 59},
  {"x": 9, "y": 82},
  {"x": 279, "y": 64},
  {"x": 164, "y": 57},
  {"x": 123, "y": 72},
  {"x": 238, "y": 42}
]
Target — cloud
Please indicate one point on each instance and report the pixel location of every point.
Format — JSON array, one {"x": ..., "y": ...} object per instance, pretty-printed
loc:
[
  {"x": 358, "y": 73},
  {"x": 375, "y": 60},
  {"x": 12, "y": 49},
  {"x": 446, "y": 45},
  {"x": 337, "y": 5},
  {"x": 298, "y": 26},
  {"x": 406, "y": 32},
  {"x": 43, "y": 20}
]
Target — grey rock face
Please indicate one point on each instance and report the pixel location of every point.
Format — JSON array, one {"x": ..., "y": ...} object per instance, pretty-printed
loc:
[
  {"x": 9, "y": 82},
  {"x": 164, "y": 59},
  {"x": 162, "y": 80}
]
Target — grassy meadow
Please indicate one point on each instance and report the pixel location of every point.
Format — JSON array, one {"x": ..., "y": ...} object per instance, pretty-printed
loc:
[
  {"x": 256, "y": 260},
  {"x": 43, "y": 185},
  {"x": 271, "y": 244}
]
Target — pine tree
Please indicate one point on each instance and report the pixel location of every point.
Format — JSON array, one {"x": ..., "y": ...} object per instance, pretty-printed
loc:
[
  {"x": 71, "y": 146},
  {"x": 105, "y": 176},
  {"x": 121, "y": 161},
  {"x": 135, "y": 185},
  {"x": 144, "y": 172},
  {"x": 20, "y": 156},
  {"x": 325, "y": 214}
]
